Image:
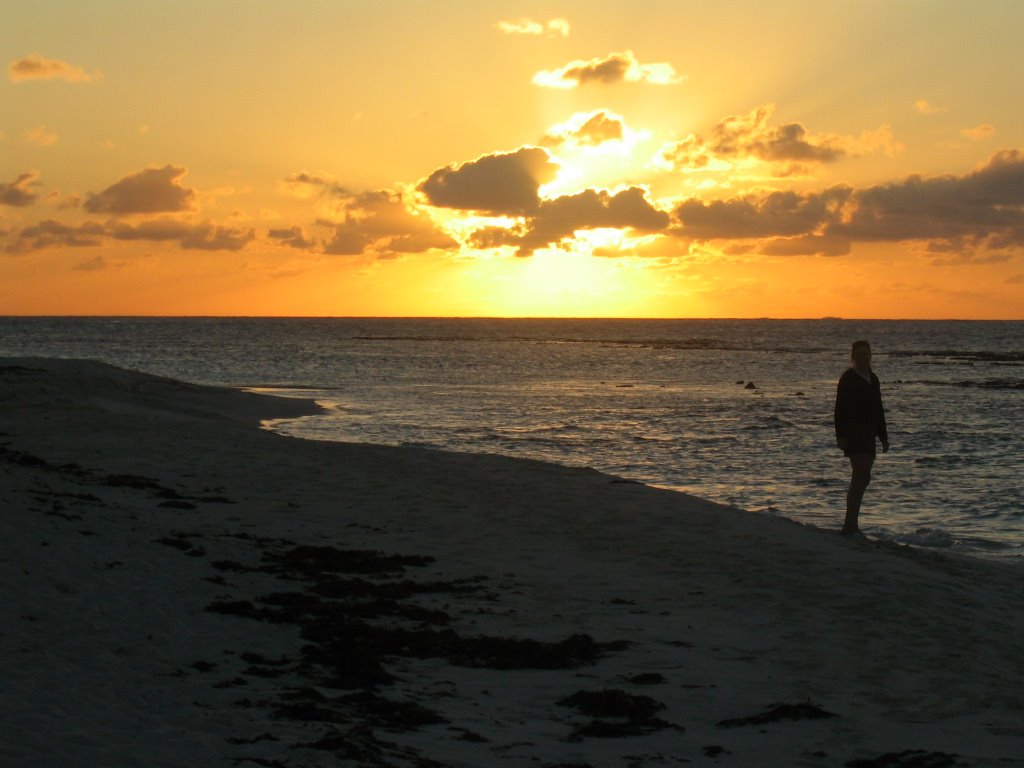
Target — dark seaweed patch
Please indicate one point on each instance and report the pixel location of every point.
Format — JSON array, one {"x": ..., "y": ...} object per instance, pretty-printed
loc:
[
  {"x": 804, "y": 711},
  {"x": 612, "y": 703},
  {"x": 912, "y": 758}
]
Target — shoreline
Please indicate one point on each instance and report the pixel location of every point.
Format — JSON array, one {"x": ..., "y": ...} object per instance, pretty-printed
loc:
[{"x": 500, "y": 587}]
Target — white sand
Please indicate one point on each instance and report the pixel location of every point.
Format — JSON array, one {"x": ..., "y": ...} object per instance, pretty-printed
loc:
[{"x": 101, "y": 624}]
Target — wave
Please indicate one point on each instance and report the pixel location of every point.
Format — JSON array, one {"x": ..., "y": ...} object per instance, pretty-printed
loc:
[
  {"x": 1003, "y": 384},
  {"x": 962, "y": 355},
  {"x": 694, "y": 343}
]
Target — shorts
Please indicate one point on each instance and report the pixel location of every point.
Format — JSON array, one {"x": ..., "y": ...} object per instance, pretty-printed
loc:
[{"x": 860, "y": 440}]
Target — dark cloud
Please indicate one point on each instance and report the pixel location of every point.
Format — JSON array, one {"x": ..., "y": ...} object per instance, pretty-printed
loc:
[
  {"x": 617, "y": 67},
  {"x": 380, "y": 222},
  {"x": 805, "y": 245},
  {"x": 778, "y": 214},
  {"x": 54, "y": 234},
  {"x": 293, "y": 237},
  {"x": 95, "y": 264},
  {"x": 499, "y": 184},
  {"x": 971, "y": 259},
  {"x": 35, "y": 67},
  {"x": 557, "y": 219},
  {"x": 203, "y": 236},
  {"x": 751, "y": 134},
  {"x": 214, "y": 237},
  {"x": 22, "y": 191},
  {"x": 305, "y": 184},
  {"x": 153, "y": 190},
  {"x": 588, "y": 130},
  {"x": 156, "y": 230},
  {"x": 987, "y": 203}
]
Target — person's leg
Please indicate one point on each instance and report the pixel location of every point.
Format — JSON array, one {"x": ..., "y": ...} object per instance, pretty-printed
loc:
[{"x": 861, "y": 465}]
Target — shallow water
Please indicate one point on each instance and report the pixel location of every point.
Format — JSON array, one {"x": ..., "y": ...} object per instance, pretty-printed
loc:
[{"x": 661, "y": 401}]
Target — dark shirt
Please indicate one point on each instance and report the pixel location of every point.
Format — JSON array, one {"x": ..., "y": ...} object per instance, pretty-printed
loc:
[{"x": 859, "y": 403}]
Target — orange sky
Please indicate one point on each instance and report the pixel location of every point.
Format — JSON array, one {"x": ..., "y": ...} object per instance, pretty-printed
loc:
[{"x": 640, "y": 159}]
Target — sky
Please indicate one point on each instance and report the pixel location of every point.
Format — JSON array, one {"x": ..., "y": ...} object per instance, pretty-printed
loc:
[{"x": 649, "y": 158}]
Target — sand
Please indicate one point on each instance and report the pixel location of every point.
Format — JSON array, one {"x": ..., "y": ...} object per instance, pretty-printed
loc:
[{"x": 183, "y": 588}]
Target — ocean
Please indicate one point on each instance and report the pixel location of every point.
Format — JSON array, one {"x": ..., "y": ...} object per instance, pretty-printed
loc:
[{"x": 737, "y": 411}]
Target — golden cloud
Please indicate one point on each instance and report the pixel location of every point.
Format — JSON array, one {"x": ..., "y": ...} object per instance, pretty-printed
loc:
[
  {"x": 926, "y": 108},
  {"x": 979, "y": 132},
  {"x": 617, "y": 67},
  {"x": 381, "y": 223},
  {"x": 525, "y": 26},
  {"x": 558, "y": 219},
  {"x": 35, "y": 67},
  {"x": 790, "y": 146},
  {"x": 586, "y": 129},
  {"x": 41, "y": 136}
]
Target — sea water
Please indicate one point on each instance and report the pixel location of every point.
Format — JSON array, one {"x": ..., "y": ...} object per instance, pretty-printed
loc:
[{"x": 738, "y": 411}]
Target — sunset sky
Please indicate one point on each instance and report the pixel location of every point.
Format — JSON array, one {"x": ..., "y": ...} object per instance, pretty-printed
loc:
[{"x": 650, "y": 158}]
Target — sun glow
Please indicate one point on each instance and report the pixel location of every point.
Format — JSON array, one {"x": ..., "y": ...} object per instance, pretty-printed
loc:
[
  {"x": 556, "y": 283},
  {"x": 603, "y": 165}
]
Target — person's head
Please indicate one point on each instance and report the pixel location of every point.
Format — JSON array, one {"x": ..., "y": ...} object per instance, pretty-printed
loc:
[{"x": 861, "y": 355}]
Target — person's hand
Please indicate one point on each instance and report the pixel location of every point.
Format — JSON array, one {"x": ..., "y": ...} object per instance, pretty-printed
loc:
[
  {"x": 841, "y": 442},
  {"x": 885, "y": 446}
]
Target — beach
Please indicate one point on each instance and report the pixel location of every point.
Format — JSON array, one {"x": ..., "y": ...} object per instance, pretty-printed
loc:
[{"x": 187, "y": 589}]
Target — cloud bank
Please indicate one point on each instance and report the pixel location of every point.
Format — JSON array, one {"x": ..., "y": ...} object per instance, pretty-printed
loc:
[{"x": 984, "y": 208}]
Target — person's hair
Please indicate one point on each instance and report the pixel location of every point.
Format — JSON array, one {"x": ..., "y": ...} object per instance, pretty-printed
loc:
[{"x": 862, "y": 344}]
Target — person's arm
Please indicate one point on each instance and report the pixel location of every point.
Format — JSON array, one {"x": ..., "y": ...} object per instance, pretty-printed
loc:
[
  {"x": 883, "y": 429},
  {"x": 842, "y": 410}
]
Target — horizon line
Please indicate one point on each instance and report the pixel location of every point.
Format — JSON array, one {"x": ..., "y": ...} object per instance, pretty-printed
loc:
[{"x": 829, "y": 318}]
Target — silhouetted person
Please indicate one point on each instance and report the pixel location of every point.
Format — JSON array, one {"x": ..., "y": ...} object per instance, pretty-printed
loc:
[{"x": 860, "y": 420}]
